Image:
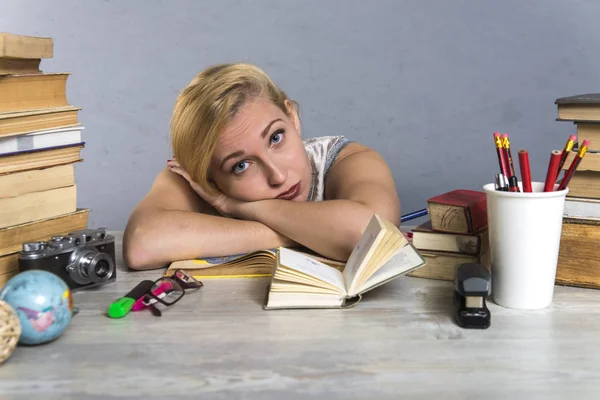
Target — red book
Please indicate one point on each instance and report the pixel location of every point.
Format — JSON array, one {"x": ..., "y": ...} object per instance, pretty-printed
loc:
[{"x": 458, "y": 211}]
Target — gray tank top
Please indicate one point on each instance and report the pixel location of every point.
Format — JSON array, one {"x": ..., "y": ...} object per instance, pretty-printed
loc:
[{"x": 322, "y": 152}]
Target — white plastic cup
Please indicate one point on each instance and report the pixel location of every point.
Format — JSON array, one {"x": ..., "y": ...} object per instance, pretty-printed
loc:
[{"x": 524, "y": 232}]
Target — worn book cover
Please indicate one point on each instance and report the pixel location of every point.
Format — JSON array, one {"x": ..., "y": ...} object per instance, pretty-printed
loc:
[
  {"x": 25, "y": 46},
  {"x": 580, "y": 107},
  {"x": 13, "y": 237},
  {"x": 33, "y": 91},
  {"x": 586, "y": 98},
  {"x": 27, "y": 160},
  {"x": 442, "y": 265},
  {"x": 21, "y": 122},
  {"x": 591, "y": 132},
  {"x": 458, "y": 211},
  {"x": 425, "y": 238},
  {"x": 578, "y": 261},
  {"x": 589, "y": 162}
]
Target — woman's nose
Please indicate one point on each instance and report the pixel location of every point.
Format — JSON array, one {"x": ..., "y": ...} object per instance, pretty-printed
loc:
[{"x": 275, "y": 175}]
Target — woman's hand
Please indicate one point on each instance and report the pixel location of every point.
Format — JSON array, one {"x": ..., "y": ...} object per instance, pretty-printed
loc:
[{"x": 226, "y": 206}]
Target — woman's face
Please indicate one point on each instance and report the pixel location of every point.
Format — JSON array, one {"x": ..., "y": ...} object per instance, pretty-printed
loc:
[{"x": 260, "y": 155}]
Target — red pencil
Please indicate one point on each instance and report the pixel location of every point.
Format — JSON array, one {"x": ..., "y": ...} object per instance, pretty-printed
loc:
[
  {"x": 506, "y": 145},
  {"x": 512, "y": 177},
  {"x": 525, "y": 172},
  {"x": 501, "y": 155},
  {"x": 571, "y": 171},
  {"x": 552, "y": 170},
  {"x": 568, "y": 147}
]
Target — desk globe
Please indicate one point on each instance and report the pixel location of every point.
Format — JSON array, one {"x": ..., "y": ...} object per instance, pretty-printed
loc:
[{"x": 43, "y": 303}]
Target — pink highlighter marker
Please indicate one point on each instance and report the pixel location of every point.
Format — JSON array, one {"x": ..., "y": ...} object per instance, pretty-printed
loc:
[{"x": 140, "y": 304}]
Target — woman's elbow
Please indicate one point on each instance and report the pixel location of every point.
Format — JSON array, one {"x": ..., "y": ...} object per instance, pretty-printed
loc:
[
  {"x": 392, "y": 210},
  {"x": 137, "y": 251},
  {"x": 134, "y": 256}
]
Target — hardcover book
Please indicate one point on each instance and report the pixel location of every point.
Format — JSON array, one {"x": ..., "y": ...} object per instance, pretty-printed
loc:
[
  {"x": 578, "y": 262},
  {"x": 590, "y": 131},
  {"x": 25, "y": 47},
  {"x": 425, "y": 238},
  {"x": 458, "y": 211},
  {"x": 33, "y": 91},
  {"x": 21, "y": 122},
  {"x": 581, "y": 107},
  {"x": 591, "y": 162}
]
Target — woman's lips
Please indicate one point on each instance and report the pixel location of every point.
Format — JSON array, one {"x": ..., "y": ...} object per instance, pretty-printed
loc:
[{"x": 290, "y": 193}]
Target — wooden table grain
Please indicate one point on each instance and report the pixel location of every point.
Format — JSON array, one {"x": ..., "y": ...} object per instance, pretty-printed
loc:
[{"x": 399, "y": 342}]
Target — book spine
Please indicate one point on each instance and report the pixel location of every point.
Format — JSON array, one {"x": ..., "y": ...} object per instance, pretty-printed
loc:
[{"x": 478, "y": 215}]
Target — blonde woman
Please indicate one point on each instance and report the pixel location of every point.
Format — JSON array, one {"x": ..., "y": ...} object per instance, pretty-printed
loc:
[{"x": 242, "y": 178}]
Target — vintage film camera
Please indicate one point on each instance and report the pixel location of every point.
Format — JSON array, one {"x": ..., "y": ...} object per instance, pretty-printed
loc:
[{"x": 83, "y": 259}]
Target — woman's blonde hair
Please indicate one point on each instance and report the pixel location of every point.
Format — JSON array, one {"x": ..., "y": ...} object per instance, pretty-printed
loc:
[{"x": 207, "y": 104}]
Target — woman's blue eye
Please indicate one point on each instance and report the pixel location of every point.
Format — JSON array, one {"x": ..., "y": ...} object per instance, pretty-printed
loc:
[
  {"x": 239, "y": 167},
  {"x": 277, "y": 137}
]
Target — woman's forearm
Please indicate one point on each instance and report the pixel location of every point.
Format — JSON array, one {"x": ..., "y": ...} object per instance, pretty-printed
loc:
[
  {"x": 156, "y": 238},
  {"x": 331, "y": 228}
]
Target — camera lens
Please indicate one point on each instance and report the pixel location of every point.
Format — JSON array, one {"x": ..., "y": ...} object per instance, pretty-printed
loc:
[
  {"x": 91, "y": 266},
  {"x": 99, "y": 267},
  {"x": 102, "y": 269}
]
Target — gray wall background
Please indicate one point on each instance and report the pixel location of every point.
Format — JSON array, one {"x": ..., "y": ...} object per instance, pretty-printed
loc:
[{"x": 425, "y": 83}]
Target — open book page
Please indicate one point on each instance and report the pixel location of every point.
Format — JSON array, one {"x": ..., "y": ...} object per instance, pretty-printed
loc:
[
  {"x": 392, "y": 241},
  {"x": 234, "y": 258},
  {"x": 278, "y": 285},
  {"x": 339, "y": 265},
  {"x": 406, "y": 259},
  {"x": 296, "y": 267},
  {"x": 257, "y": 263},
  {"x": 367, "y": 245},
  {"x": 284, "y": 274}
]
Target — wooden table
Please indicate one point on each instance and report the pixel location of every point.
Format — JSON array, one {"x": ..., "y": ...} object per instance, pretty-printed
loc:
[{"x": 399, "y": 342}]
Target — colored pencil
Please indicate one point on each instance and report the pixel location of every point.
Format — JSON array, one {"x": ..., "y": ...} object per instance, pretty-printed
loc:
[
  {"x": 563, "y": 157},
  {"x": 574, "y": 164},
  {"x": 413, "y": 215},
  {"x": 525, "y": 171},
  {"x": 501, "y": 155},
  {"x": 552, "y": 171},
  {"x": 512, "y": 177}
]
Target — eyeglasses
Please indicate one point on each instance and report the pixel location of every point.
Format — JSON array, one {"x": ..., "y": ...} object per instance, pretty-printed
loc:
[{"x": 167, "y": 291}]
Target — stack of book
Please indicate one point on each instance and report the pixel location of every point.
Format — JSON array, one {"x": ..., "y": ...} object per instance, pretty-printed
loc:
[
  {"x": 578, "y": 263},
  {"x": 40, "y": 140},
  {"x": 455, "y": 233}
]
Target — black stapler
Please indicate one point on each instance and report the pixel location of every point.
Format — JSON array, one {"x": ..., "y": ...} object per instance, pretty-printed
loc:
[{"x": 472, "y": 286}]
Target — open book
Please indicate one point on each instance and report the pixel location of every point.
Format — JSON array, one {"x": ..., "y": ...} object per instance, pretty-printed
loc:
[
  {"x": 255, "y": 264},
  {"x": 382, "y": 254}
]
